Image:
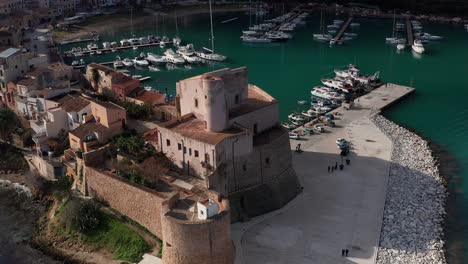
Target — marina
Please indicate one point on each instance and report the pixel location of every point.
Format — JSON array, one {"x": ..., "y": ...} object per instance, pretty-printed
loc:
[{"x": 339, "y": 36}]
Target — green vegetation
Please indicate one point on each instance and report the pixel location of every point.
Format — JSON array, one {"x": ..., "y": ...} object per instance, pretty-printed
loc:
[
  {"x": 8, "y": 121},
  {"x": 11, "y": 158},
  {"x": 117, "y": 238},
  {"x": 130, "y": 144},
  {"x": 136, "y": 111},
  {"x": 82, "y": 220}
]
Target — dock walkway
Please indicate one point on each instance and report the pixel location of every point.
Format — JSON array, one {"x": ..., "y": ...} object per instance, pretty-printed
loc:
[
  {"x": 340, "y": 34},
  {"x": 409, "y": 30},
  {"x": 121, "y": 48},
  {"x": 340, "y": 209}
]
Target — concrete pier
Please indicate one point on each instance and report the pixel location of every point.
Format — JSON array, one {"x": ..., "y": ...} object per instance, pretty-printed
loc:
[
  {"x": 340, "y": 34},
  {"x": 337, "y": 210}
]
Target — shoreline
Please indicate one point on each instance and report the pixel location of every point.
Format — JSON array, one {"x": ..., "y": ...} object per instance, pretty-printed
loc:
[
  {"x": 414, "y": 219},
  {"x": 120, "y": 22}
]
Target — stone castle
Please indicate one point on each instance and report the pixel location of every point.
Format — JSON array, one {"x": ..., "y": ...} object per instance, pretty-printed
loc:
[{"x": 234, "y": 160}]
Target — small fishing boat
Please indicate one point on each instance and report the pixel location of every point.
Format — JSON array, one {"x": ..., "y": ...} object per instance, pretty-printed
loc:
[
  {"x": 127, "y": 62},
  {"x": 400, "y": 47},
  {"x": 288, "y": 125},
  {"x": 98, "y": 52},
  {"x": 138, "y": 61},
  {"x": 153, "y": 68},
  {"x": 418, "y": 47},
  {"x": 301, "y": 102}
]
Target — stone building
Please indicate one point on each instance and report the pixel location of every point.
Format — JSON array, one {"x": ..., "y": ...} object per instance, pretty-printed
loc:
[{"x": 228, "y": 135}]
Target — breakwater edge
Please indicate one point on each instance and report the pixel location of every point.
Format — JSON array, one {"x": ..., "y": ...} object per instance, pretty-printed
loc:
[{"x": 412, "y": 229}]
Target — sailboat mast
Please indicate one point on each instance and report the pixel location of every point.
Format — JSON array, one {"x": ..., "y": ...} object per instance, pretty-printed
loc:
[
  {"x": 176, "y": 25},
  {"x": 250, "y": 13},
  {"x": 394, "y": 24},
  {"x": 131, "y": 21},
  {"x": 211, "y": 23}
]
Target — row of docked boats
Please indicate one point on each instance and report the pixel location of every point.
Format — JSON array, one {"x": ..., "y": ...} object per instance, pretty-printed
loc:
[
  {"x": 332, "y": 93},
  {"x": 278, "y": 29},
  {"x": 184, "y": 54},
  {"x": 332, "y": 29}
]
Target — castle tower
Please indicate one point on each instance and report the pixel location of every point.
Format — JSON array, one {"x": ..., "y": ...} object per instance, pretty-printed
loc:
[{"x": 216, "y": 115}]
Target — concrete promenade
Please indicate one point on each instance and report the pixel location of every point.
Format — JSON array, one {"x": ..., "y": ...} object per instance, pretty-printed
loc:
[{"x": 336, "y": 210}]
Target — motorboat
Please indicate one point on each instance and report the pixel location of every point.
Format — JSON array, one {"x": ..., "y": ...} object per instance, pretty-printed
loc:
[
  {"x": 106, "y": 45},
  {"x": 251, "y": 33},
  {"x": 251, "y": 39},
  {"x": 326, "y": 93},
  {"x": 297, "y": 118},
  {"x": 162, "y": 45},
  {"x": 176, "y": 41},
  {"x": 144, "y": 40},
  {"x": 153, "y": 68},
  {"x": 124, "y": 43},
  {"x": 366, "y": 79},
  {"x": 338, "y": 21},
  {"x": 118, "y": 63},
  {"x": 188, "y": 53},
  {"x": 309, "y": 113},
  {"x": 134, "y": 41},
  {"x": 114, "y": 44},
  {"x": 301, "y": 102},
  {"x": 173, "y": 57},
  {"x": 191, "y": 58},
  {"x": 401, "y": 46},
  {"x": 288, "y": 126},
  {"x": 156, "y": 59},
  {"x": 350, "y": 34},
  {"x": 92, "y": 46},
  {"x": 135, "y": 47},
  {"x": 278, "y": 36},
  {"x": 355, "y": 24},
  {"x": 333, "y": 26},
  {"x": 137, "y": 76},
  {"x": 98, "y": 52},
  {"x": 323, "y": 37},
  {"x": 418, "y": 47},
  {"x": 139, "y": 61},
  {"x": 337, "y": 84},
  {"x": 127, "y": 62}
]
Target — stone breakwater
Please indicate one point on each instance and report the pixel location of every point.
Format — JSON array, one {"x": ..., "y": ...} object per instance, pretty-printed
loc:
[{"x": 414, "y": 210}]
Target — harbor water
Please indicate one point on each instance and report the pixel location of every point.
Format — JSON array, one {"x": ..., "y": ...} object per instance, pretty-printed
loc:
[{"x": 438, "y": 110}]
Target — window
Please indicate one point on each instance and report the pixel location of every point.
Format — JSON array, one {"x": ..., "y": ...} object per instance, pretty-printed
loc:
[
  {"x": 267, "y": 160},
  {"x": 244, "y": 167},
  {"x": 196, "y": 153},
  {"x": 179, "y": 146},
  {"x": 168, "y": 142},
  {"x": 196, "y": 102},
  {"x": 236, "y": 99},
  {"x": 185, "y": 150},
  {"x": 190, "y": 151}
]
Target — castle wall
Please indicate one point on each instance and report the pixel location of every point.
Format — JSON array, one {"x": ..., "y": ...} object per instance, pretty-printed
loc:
[
  {"x": 141, "y": 204},
  {"x": 265, "y": 118},
  {"x": 199, "y": 242}
]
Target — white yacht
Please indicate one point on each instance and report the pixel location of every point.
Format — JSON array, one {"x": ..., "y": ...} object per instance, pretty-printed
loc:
[
  {"x": 325, "y": 93},
  {"x": 106, "y": 45},
  {"x": 278, "y": 36},
  {"x": 427, "y": 36},
  {"x": 92, "y": 46},
  {"x": 134, "y": 41},
  {"x": 118, "y": 63},
  {"x": 127, "y": 62},
  {"x": 138, "y": 61},
  {"x": 124, "y": 43},
  {"x": 400, "y": 46},
  {"x": 417, "y": 46},
  {"x": 176, "y": 41},
  {"x": 162, "y": 45},
  {"x": 173, "y": 57},
  {"x": 156, "y": 59},
  {"x": 188, "y": 53}
]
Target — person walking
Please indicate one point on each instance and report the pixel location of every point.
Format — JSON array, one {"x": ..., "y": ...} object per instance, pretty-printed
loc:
[
  {"x": 332, "y": 168},
  {"x": 328, "y": 168},
  {"x": 343, "y": 252},
  {"x": 346, "y": 252},
  {"x": 336, "y": 165}
]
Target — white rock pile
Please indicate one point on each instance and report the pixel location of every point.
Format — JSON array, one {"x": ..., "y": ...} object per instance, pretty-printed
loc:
[{"x": 414, "y": 211}]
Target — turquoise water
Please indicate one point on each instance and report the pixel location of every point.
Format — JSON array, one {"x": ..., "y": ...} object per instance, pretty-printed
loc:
[{"x": 288, "y": 71}]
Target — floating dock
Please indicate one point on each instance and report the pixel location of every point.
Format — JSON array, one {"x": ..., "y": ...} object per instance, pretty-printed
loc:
[
  {"x": 119, "y": 48},
  {"x": 339, "y": 36}
]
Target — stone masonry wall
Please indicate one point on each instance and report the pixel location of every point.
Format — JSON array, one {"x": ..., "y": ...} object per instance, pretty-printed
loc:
[{"x": 141, "y": 204}]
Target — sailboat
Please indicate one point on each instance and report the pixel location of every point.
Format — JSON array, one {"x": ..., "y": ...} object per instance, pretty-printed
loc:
[
  {"x": 176, "y": 40},
  {"x": 209, "y": 54},
  {"x": 321, "y": 36},
  {"x": 393, "y": 39}
]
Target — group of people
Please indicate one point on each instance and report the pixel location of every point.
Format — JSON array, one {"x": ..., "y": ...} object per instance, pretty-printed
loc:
[{"x": 344, "y": 252}]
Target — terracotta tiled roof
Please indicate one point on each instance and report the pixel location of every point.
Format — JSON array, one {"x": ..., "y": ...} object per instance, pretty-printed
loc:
[
  {"x": 71, "y": 103},
  {"x": 26, "y": 81},
  {"x": 87, "y": 129},
  {"x": 106, "y": 104},
  {"x": 256, "y": 99},
  {"x": 151, "y": 97},
  {"x": 191, "y": 127}
]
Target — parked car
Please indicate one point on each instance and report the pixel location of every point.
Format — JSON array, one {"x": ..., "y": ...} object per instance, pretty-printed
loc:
[
  {"x": 293, "y": 135},
  {"x": 319, "y": 129}
]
